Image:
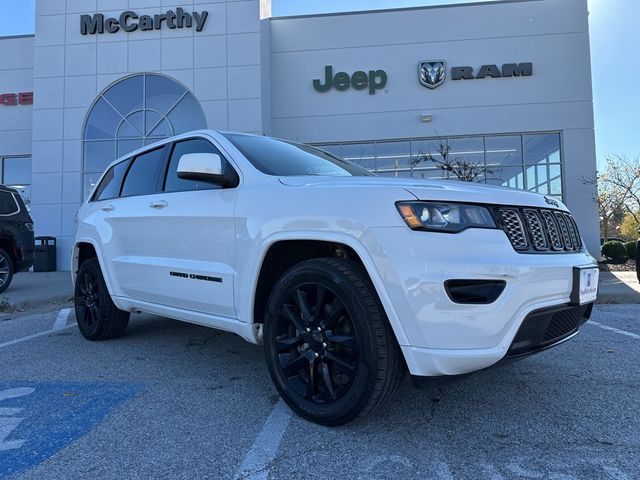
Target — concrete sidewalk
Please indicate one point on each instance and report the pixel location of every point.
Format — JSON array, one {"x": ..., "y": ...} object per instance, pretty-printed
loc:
[
  {"x": 30, "y": 290},
  {"x": 619, "y": 287}
]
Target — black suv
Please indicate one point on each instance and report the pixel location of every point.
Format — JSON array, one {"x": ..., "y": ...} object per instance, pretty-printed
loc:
[{"x": 16, "y": 236}]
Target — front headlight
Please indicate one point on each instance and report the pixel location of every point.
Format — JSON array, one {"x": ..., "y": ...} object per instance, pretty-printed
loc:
[{"x": 444, "y": 217}]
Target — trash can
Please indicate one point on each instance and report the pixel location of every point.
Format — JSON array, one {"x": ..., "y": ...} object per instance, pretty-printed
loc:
[{"x": 45, "y": 255}]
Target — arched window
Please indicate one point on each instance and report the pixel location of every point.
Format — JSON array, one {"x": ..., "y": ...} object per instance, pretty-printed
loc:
[{"x": 134, "y": 112}]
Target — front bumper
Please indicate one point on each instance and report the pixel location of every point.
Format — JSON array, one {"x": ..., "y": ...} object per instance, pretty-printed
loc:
[{"x": 446, "y": 338}]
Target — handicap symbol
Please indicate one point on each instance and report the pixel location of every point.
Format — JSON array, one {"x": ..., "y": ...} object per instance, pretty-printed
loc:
[{"x": 8, "y": 419}]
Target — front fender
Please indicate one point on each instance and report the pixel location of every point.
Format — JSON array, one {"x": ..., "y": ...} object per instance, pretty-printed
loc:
[{"x": 334, "y": 237}]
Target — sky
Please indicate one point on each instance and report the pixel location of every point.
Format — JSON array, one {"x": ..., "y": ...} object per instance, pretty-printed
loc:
[{"x": 615, "y": 43}]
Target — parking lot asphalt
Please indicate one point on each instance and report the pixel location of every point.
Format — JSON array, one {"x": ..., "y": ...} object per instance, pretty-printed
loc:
[{"x": 173, "y": 400}]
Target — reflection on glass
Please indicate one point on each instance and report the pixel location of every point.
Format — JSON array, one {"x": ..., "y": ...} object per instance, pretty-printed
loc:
[
  {"x": 187, "y": 115},
  {"x": 541, "y": 148},
  {"x": 360, "y": 153},
  {"x": 127, "y": 95},
  {"x": 16, "y": 170},
  {"x": 511, "y": 177},
  {"x": 393, "y": 157},
  {"x": 503, "y": 150},
  {"x": 137, "y": 111},
  {"x": 333, "y": 149},
  {"x": 98, "y": 155},
  {"x": 127, "y": 146},
  {"x": 427, "y": 154},
  {"x": 162, "y": 93},
  {"x": 90, "y": 182},
  {"x": 16, "y": 173},
  {"x": 102, "y": 122},
  {"x": 492, "y": 159}
]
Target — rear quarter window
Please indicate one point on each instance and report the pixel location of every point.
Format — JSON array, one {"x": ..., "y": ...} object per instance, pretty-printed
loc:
[
  {"x": 8, "y": 205},
  {"x": 110, "y": 185}
]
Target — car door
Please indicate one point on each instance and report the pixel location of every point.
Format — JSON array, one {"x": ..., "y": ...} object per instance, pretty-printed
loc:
[
  {"x": 129, "y": 232},
  {"x": 179, "y": 243}
]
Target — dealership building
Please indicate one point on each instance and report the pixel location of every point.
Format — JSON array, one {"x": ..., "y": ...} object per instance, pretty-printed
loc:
[{"x": 495, "y": 92}]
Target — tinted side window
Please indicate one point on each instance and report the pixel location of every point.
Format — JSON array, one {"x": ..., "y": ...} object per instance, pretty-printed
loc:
[
  {"x": 196, "y": 145},
  {"x": 142, "y": 177},
  {"x": 110, "y": 185},
  {"x": 8, "y": 205}
]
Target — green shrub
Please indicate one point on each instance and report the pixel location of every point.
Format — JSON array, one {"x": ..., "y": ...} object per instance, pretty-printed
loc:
[
  {"x": 631, "y": 249},
  {"x": 614, "y": 250}
]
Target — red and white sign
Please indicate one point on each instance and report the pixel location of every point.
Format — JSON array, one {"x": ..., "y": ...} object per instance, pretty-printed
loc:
[{"x": 13, "y": 99}]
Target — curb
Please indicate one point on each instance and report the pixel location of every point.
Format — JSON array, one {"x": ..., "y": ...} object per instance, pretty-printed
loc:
[{"x": 60, "y": 300}]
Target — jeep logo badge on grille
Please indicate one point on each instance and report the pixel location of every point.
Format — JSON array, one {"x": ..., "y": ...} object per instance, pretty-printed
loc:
[{"x": 551, "y": 201}]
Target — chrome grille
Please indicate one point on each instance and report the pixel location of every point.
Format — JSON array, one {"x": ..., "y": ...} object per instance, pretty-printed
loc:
[
  {"x": 539, "y": 230},
  {"x": 514, "y": 228},
  {"x": 538, "y": 238},
  {"x": 573, "y": 231},
  {"x": 564, "y": 231},
  {"x": 552, "y": 230}
]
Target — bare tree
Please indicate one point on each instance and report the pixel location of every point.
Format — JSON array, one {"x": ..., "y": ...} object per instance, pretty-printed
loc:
[
  {"x": 618, "y": 192},
  {"x": 623, "y": 175},
  {"x": 610, "y": 208},
  {"x": 463, "y": 170}
]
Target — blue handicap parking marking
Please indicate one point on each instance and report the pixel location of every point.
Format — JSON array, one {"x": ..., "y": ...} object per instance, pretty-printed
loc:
[{"x": 38, "y": 419}]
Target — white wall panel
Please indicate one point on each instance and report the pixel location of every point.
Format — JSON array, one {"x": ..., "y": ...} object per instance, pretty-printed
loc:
[
  {"x": 80, "y": 59},
  {"x": 177, "y": 53},
  {"x": 112, "y": 57},
  {"x": 145, "y": 55},
  {"x": 47, "y": 156}
]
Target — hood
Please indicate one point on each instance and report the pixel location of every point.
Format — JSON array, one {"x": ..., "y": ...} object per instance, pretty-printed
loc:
[{"x": 438, "y": 190}]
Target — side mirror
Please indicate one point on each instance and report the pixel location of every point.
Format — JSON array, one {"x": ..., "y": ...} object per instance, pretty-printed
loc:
[{"x": 206, "y": 167}]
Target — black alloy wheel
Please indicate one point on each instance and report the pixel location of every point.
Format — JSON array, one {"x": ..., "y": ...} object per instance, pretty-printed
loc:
[
  {"x": 330, "y": 350},
  {"x": 87, "y": 299},
  {"x": 6, "y": 270},
  {"x": 97, "y": 316},
  {"x": 316, "y": 343}
]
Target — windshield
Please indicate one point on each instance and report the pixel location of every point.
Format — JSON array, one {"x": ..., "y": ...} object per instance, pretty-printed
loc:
[{"x": 286, "y": 159}]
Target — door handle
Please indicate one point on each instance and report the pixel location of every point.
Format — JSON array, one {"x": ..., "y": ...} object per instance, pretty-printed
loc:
[
  {"x": 158, "y": 204},
  {"x": 108, "y": 208}
]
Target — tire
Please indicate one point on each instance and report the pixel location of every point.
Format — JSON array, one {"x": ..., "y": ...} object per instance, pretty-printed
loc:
[
  {"x": 329, "y": 347},
  {"x": 98, "y": 318},
  {"x": 6, "y": 270}
]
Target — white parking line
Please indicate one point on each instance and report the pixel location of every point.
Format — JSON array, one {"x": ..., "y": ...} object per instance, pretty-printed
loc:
[
  {"x": 256, "y": 463},
  {"x": 611, "y": 329},
  {"x": 61, "y": 320},
  {"x": 58, "y": 326}
]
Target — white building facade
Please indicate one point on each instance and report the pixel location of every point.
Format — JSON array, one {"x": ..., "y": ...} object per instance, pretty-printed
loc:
[{"x": 495, "y": 92}]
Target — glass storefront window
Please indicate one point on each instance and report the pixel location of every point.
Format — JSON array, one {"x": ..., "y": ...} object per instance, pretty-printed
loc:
[
  {"x": 134, "y": 112},
  {"x": 361, "y": 153},
  {"x": 392, "y": 158},
  {"x": 503, "y": 151},
  {"x": 524, "y": 161},
  {"x": 16, "y": 173}
]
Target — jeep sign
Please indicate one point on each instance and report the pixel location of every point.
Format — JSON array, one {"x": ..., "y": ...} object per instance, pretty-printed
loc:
[
  {"x": 129, "y": 21},
  {"x": 360, "y": 80}
]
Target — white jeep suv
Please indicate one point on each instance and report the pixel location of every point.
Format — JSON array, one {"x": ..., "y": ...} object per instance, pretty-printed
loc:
[{"x": 345, "y": 277}]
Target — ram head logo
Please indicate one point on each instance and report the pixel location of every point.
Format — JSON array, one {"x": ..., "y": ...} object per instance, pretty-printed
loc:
[{"x": 432, "y": 73}]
